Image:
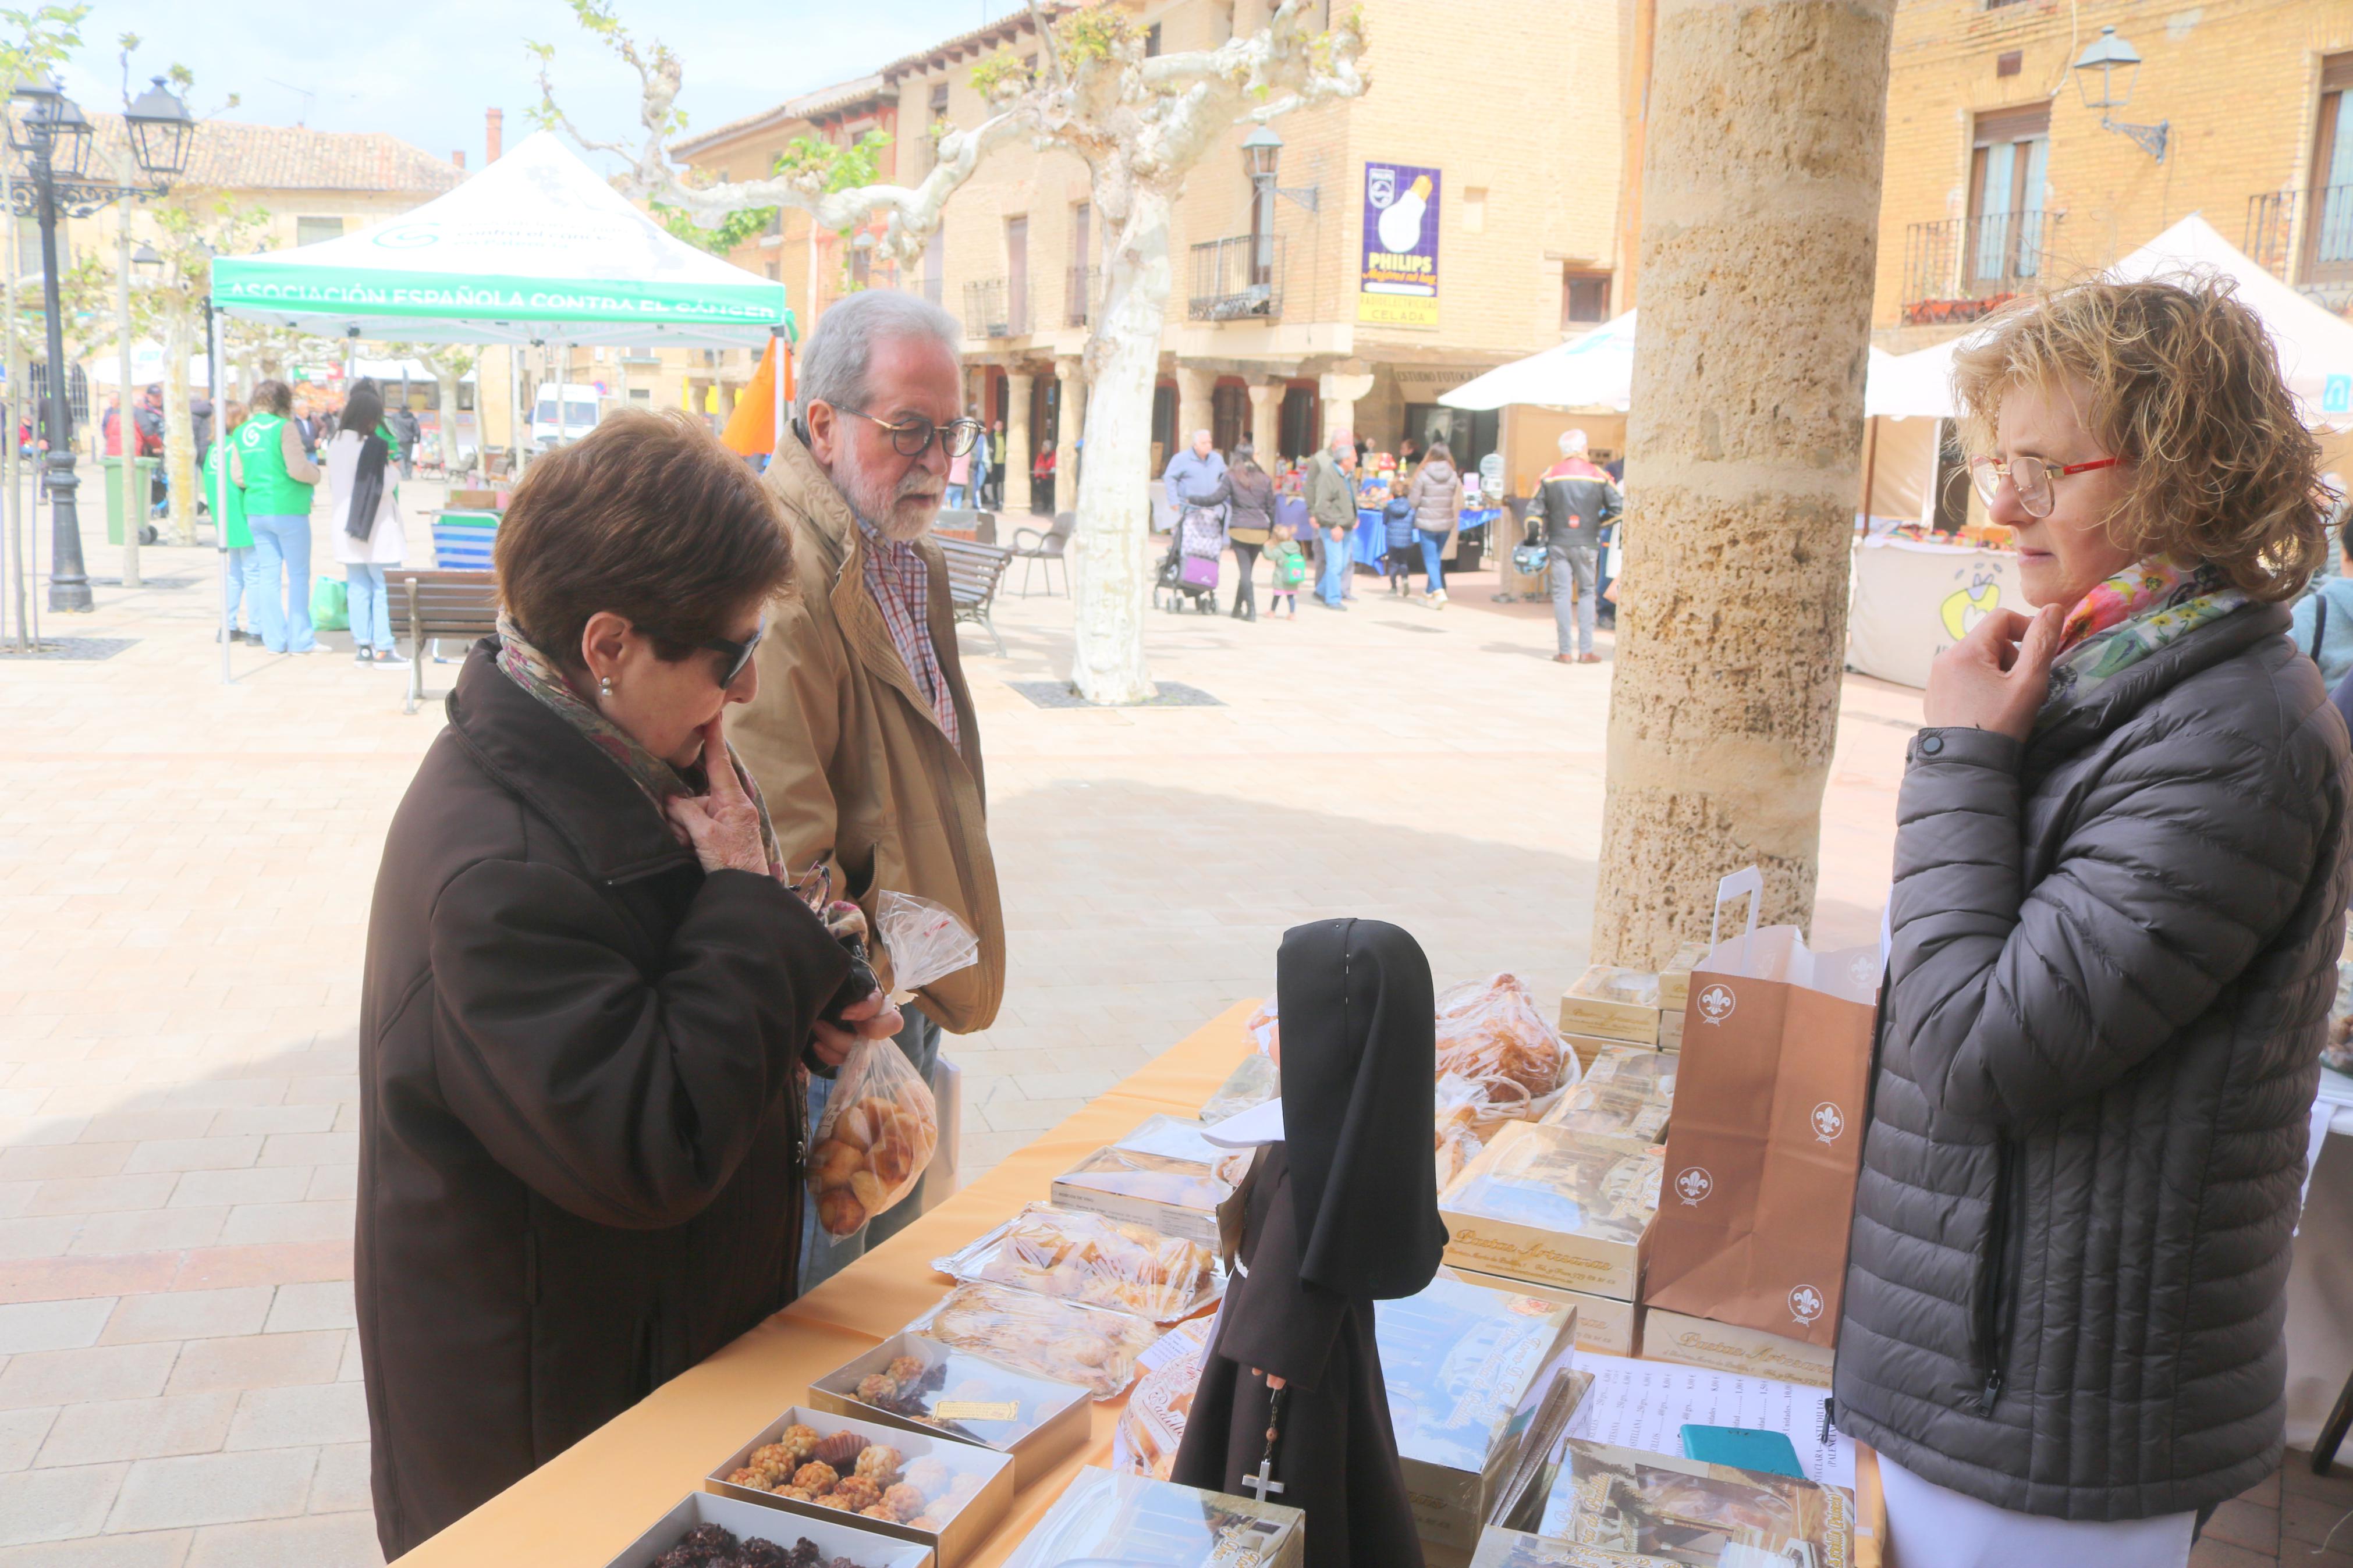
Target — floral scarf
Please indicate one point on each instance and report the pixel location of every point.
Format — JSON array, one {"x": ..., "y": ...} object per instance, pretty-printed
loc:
[
  {"x": 537, "y": 674},
  {"x": 2129, "y": 618}
]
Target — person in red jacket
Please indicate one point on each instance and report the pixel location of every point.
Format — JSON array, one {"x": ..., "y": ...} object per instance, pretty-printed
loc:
[{"x": 1574, "y": 500}]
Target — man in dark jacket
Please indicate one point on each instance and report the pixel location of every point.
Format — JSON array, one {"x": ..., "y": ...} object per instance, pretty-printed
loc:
[
  {"x": 1574, "y": 501},
  {"x": 1331, "y": 496}
]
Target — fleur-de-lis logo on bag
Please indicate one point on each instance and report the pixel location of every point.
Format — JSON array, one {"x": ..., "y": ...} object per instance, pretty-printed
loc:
[
  {"x": 1828, "y": 1121},
  {"x": 1694, "y": 1184},
  {"x": 1717, "y": 1003},
  {"x": 1805, "y": 1303}
]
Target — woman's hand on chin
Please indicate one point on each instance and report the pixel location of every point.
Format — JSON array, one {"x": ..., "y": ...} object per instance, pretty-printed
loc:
[
  {"x": 1995, "y": 677},
  {"x": 724, "y": 826}
]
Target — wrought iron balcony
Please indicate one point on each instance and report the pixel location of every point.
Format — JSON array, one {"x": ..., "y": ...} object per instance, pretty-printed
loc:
[
  {"x": 1082, "y": 293},
  {"x": 1237, "y": 279},
  {"x": 994, "y": 308},
  {"x": 2306, "y": 237},
  {"x": 1963, "y": 268}
]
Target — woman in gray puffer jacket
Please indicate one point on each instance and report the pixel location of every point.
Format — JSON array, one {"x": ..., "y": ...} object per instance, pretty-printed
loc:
[{"x": 2120, "y": 885}]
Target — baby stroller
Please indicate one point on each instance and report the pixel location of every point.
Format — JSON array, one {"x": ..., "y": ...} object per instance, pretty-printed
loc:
[{"x": 1189, "y": 570}]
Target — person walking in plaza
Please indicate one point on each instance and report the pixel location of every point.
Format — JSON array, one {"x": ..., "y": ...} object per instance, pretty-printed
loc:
[
  {"x": 1250, "y": 522},
  {"x": 268, "y": 463},
  {"x": 1288, "y": 566},
  {"x": 2321, "y": 622},
  {"x": 243, "y": 587},
  {"x": 1399, "y": 544},
  {"x": 961, "y": 490},
  {"x": 863, "y": 734},
  {"x": 1331, "y": 496},
  {"x": 363, "y": 515},
  {"x": 1437, "y": 495},
  {"x": 1574, "y": 501},
  {"x": 1195, "y": 476},
  {"x": 406, "y": 432},
  {"x": 2119, "y": 895},
  {"x": 590, "y": 993}
]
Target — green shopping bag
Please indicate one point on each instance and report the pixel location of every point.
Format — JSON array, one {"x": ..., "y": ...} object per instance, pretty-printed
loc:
[{"x": 331, "y": 608}]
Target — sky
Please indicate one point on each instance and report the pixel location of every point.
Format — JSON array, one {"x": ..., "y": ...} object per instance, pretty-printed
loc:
[{"x": 425, "y": 69}]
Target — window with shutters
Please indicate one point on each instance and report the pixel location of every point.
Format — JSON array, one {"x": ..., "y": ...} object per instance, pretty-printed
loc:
[
  {"x": 2328, "y": 202},
  {"x": 2009, "y": 163},
  {"x": 1584, "y": 299},
  {"x": 312, "y": 230}
]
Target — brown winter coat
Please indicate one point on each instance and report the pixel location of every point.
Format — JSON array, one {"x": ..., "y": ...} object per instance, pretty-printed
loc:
[
  {"x": 580, "y": 1145},
  {"x": 857, "y": 770}
]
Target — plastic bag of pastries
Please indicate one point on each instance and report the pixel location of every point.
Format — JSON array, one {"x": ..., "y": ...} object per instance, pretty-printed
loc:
[
  {"x": 1092, "y": 1347},
  {"x": 1493, "y": 1028},
  {"x": 1094, "y": 1260},
  {"x": 877, "y": 1136},
  {"x": 1154, "y": 1422}
]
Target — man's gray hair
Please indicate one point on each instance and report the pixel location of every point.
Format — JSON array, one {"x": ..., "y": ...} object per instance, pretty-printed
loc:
[
  {"x": 1572, "y": 442},
  {"x": 833, "y": 369},
  {"x": 1342, "y": 439}
]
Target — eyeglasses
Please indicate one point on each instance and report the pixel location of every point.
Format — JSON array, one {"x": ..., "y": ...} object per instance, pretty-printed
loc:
[
  {"x": 737, "y": 653},
  {"x": 2031, "y": 476},
  {"x": 912, "y": 434}
]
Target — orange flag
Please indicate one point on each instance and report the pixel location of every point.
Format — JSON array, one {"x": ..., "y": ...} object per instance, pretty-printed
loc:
[{"x": 752, "y": 429}]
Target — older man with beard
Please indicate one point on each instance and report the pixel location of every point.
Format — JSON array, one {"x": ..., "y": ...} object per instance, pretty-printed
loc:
[{"x": 862, "y": 736}]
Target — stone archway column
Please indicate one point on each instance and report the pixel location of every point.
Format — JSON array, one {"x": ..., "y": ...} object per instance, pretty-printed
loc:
[
  {"x": 1266, "y": 421},
  {"x": 1339, "y": 391},
  {"x": 1195, "y": 392},
  {"x": 1017, "y": 444},
  {"x": 1760, "y": 210}
]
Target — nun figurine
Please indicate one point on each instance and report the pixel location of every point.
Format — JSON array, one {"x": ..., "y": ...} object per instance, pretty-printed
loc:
[{"x": 1341, "y": 1212}]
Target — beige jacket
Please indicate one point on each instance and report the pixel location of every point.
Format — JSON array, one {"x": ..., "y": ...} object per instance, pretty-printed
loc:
[{"x": 856, "y": 771}]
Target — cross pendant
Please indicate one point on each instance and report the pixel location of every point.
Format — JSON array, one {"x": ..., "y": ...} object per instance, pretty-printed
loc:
[{"x": 1263, "y": 1482}]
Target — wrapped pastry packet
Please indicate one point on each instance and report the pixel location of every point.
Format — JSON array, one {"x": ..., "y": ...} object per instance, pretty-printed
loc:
[
  {"x": 1154, "y": 1422},
  {"x": 1614, "y": 1110},
  {"x": 972, "y": 1397},
  {"x": 879, "y": 1130},
  {"x": 1091, "y": 1346},
  {"x": 1458, "y": 1361},
  {"x": 1094, "y": 1261},
  {"x": 1603, "y": 1187},
  {"x": 1657, "y": 1507},
  {"x": 1254, "y": 1082},
  {"x": 1177, "y": 1197},
  {"x": 1104, "y": 1518},
  {"x": 1492, "y": 1028},
  {"x": 1633, "y": 1066}
]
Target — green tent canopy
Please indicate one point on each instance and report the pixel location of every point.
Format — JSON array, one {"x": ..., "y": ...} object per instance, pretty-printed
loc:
[{"x": 536, "y": 248}]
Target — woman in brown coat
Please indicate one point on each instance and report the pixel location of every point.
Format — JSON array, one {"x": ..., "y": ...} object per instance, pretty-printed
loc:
[{"x": 589, "y": 989}]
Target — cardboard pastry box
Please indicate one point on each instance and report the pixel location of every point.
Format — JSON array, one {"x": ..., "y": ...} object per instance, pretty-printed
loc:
[
  {"x": 749, "y": 1521},
  {"x": 1725, "y": 1347},
  {"x": 966, "y": 1398},
  {"x": 1553, "y": 1207},
  {"x": 1102, "y": 1518},
  {"x": 1614, "y": 1003},
  {"x": 970, "y": 1487}
]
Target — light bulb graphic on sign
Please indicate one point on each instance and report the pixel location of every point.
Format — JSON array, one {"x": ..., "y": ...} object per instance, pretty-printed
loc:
[{"x": 1400, "y": 225}]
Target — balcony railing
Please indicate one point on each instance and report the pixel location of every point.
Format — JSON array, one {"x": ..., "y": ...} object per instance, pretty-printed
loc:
[
  {"x": 1237, "y": 279},
  {"x": 1962, "y": 268},
  {"x": 993, "y": 307},
  {"x": 1082, "y": 293},
  {"x": 2313, "y": 231}
]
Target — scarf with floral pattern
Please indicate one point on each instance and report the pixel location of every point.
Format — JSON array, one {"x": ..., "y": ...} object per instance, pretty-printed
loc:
[{"x": 2130, "y": 616}]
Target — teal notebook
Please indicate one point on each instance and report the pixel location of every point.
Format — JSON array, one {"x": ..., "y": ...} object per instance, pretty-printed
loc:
[{"x": 1771, "y": 1452}]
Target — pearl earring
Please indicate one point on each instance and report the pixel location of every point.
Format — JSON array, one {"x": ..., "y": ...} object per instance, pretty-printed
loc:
[{"x": 604, "y": 687}]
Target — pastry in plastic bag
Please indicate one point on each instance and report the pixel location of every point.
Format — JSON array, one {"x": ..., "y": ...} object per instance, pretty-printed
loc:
[
  {"x": 878, "y": 1134},
  {"x": 1091, "y": 1259},
  {"x": 1130, "y": 1173},
  {"x": 1493, "y": 1028},
  {"x": 1154, "y": 1422},
  {"x": 1091, "y": 1346}
]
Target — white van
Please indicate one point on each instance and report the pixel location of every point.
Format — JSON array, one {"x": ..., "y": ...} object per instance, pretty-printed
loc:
[{"x": 549, "y": 428}]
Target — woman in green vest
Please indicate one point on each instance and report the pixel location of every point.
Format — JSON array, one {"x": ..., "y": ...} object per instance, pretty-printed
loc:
[
  {"x": 235, "y": 535},
  {"x": 266, "y": 462}
]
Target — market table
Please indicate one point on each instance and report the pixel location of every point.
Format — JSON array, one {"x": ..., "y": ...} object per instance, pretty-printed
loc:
[{"x": 590, "y": 1502}]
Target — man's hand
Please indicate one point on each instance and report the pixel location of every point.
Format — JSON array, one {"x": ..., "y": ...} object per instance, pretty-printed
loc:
[
  {"x": 871, "y": 1019},
  {"x": 1995, "y": 677}
]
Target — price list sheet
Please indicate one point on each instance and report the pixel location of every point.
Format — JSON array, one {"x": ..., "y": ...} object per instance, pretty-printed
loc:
[{"x": 1646, "y": 1404}]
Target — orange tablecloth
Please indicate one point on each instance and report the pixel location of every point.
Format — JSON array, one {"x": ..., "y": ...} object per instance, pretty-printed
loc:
[{"x": 586, "y": 1505}]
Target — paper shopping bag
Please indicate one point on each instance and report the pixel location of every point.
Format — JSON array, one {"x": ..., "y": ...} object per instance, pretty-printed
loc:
[{"x": 1766, "y": 1140}]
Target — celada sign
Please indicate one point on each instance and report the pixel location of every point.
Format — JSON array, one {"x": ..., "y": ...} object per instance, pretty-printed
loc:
[{"x": 1397, "y": 282}]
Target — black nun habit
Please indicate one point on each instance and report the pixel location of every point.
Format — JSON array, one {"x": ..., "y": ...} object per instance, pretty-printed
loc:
[{"x": 1340, "y": 1213}]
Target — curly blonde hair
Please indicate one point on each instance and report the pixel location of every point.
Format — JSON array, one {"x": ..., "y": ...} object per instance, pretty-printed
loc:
[{"x": 2184, "y": 384}]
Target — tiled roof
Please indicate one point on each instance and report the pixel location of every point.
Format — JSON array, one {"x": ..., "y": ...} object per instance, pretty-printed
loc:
[
  {"x": 232, "y": 157},
  {"x": 980, "y": 41}
]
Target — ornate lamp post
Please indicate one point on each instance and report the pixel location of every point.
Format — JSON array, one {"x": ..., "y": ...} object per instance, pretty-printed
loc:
[
  {"x": 50, "y": 139},
  {"x": 2104, "y": 74}
]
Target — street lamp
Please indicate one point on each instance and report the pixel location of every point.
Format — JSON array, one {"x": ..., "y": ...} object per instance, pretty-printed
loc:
[
  {"x": 146, "y": 263},
  {"x": 50, "y": 139},
  {"x": 1262, "y": 157},
  {"x": 2104, "y": 74}
]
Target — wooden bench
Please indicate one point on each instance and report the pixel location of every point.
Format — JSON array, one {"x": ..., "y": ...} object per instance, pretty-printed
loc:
[
  {"x": 973, "y": 573},
  {"x": 441, "y": 604}
]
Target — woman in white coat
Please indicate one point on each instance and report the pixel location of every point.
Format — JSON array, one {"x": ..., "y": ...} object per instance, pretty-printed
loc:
[{"x": 360, "y": 478}]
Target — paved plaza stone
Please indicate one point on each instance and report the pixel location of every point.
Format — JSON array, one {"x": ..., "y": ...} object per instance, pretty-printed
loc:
[{"x": 185, "y": 869}]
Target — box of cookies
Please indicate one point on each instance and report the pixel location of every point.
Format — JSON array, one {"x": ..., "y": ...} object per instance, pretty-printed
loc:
[
  {"x": 1106, "y": 1518},
  {"x": 1549, "y": 1207},
  {"x": 714, "y": 1531},
  {"x": 1179, "y": 1197},
  {"x": 1465, "y": 1366},
  {"x": 1093, "y": 1347},
  {"x": 1614, "y": 1003},
  {"x": 1094, "y": 1261},
  {"x": 915, "y": 1488},
  {"x": 1674, "y": 980},
  {"x": 919, "y": 1385},
  {"x": 1603, "y": 1322},
  {"x": 1615, "y": 1109},
  {"x": 1632, "y": 1067}
]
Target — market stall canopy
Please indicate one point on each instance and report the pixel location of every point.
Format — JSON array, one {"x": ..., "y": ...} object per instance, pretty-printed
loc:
[
  {"x": 1595, "y": 372},
  {"x": 536, "y": 248}
]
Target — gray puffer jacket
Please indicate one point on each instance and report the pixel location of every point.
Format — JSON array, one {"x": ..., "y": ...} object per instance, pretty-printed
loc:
[{"x": 2114, "y": 949}]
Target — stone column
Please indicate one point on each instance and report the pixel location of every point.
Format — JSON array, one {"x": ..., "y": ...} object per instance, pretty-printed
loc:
[
  {"x": 1340, "y": 389},
  {"x": 1266, "y": 420},
  {"x": 1017, "y": 446},
  {"x": 1760, "y": 211},
  {"x": 1071, "y": 388},
  {"x": 1194, "y": 389}
]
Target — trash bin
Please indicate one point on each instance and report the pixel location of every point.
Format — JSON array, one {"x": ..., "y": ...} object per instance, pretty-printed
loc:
[{"x": 142, "y": 484}]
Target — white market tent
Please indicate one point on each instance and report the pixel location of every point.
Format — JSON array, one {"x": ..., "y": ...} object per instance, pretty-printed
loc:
[
  {"x": 1592, "y": 372},
  {"x": 534, "y": 249}
]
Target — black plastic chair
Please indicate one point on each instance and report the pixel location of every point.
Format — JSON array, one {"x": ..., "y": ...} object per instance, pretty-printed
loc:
[{"x": 1033, "y": 548}]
